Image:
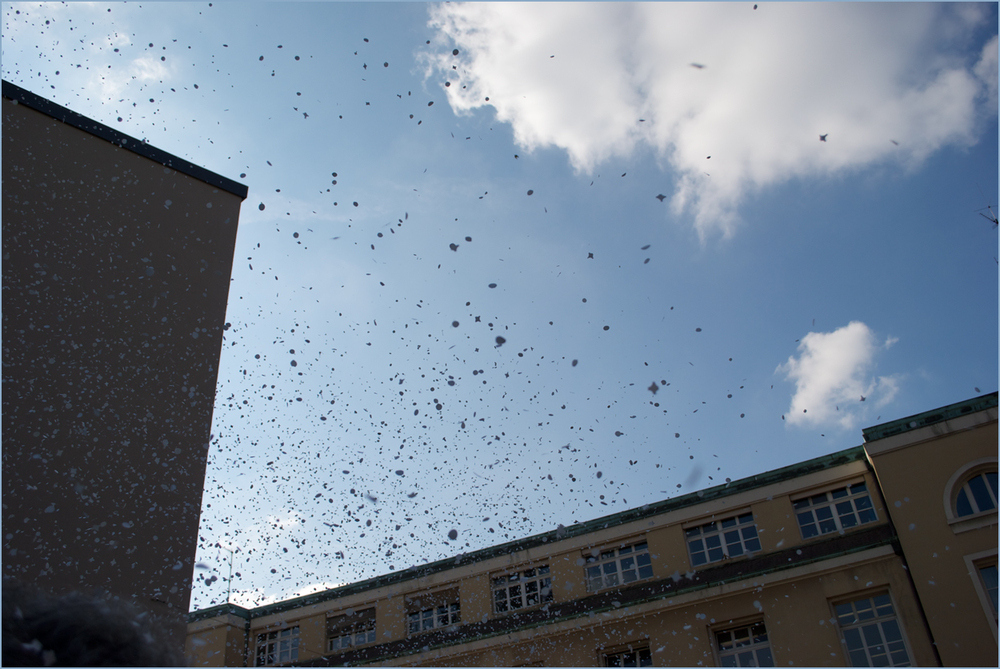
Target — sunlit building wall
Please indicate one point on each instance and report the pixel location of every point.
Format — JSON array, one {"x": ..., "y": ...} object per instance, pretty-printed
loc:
[
  {"x": 805, "y": 565},
  {"x": 938, "y": 475},
  {"x": 116, "y": 267}
]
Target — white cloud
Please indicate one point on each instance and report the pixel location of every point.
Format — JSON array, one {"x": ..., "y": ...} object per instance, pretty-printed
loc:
[
  {"x": 832, "y": 377},
  {"x": 580, "y": 76}
]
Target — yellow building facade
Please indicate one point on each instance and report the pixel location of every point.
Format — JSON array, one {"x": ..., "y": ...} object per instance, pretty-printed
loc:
[{"x": 847, "y": 559}]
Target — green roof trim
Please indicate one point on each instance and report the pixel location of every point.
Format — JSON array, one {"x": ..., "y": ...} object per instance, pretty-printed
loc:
[
  {"x": 220, "y": 610},
  {"x": 821, "y": 463},
  {"x": 931, "y": 417},
  {"x": 19, "y": 95}
]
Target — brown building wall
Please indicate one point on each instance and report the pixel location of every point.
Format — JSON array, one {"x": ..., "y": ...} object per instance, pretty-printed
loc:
[
  {"x": 116, "y": 273},
  {"x": 223, "y": 643}
]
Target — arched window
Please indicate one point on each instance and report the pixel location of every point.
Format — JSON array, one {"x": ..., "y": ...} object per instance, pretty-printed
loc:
[
  {"x": 970, "y": 496},
  {"x": 977, "y": 494}
]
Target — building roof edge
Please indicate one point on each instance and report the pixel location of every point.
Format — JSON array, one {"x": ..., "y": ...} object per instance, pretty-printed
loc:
[
  {"x": 19, "y": 95},
  {"x": 828, "y": 461},
  {"x": 939, "y": 415}
]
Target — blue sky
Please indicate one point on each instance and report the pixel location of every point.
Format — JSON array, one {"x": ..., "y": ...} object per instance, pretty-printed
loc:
[{"x": 650, "y": 346}]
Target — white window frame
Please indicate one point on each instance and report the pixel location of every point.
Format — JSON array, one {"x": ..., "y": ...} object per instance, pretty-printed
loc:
[
  {"x": 722, "y": 533},
  {"x": 276, "y": 642},
  {"x": 832, "y": 503},
  {"x": 360, "y": 633},
  {"x": 615, "y": 562},
  {"x": 957, "y": 481},
  {"x": 878, "y": 621},
  {"x": 511, "y": 589},
  {"x": 974, "y": 562},
  {"x": 433, "y": 618},
  {"x": 736, "y": 650},
  {"x": 624, "y": 651}
]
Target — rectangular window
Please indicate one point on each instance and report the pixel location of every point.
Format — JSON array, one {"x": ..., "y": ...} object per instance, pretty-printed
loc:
[
  {"x": 988, "y": 575},
  {"x": 640, "y": 657},
  {"x": 278, "y": 647},
  {"x": 522, "y": 589},
  {"x": 871, "y": 633},
  {"x": 721, "y": 539},
  {"x": 350, "y": 630},
  {"x": 745, "y": 646},
  {"x": 834, "y": 511},
  {"x": 433, "y": 618},
  {"x": 618, "y": 566}
]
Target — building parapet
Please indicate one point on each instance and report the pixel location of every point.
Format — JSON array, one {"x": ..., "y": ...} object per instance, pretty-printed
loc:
[
  {"x": 931, "y": 417},
  {"x": 18, "y": 95},
  {"x": 797, "y": 470}
]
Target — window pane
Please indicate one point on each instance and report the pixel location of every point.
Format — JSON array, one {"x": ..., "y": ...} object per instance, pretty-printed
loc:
[
  {"x": 989, "y": 576},
  {"x": 824, "y": 513},
  {"x": 852, "y": 637},
  {"x": 864, "y": 609},
  {"x": 991, "y": 479},
  {"x": 963, "y": 507},
  {"x": 859, "y": 658},
  {"x": 890, "y": 628},
  {"x": 826, "y": 526},
  {"x": 883, "y": 605},
  {"x": 981, "y": 494},
  {"x": 845, "y": 614},
  {"x": 764, "y": 658}
]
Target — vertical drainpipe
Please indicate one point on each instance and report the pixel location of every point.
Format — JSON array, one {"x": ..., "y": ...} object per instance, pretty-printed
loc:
[{"x": 906, "y": 568}]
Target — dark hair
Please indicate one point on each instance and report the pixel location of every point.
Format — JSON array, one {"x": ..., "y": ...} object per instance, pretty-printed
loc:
[{"x": 78, "y": 631}]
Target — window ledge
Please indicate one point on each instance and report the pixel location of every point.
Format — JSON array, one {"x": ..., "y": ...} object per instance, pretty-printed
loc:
[
  {"x": 973, "y": 522},
  {"x": 733, "y": 558}
]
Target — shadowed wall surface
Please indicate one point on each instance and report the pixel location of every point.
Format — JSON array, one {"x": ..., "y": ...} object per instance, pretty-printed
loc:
[{"x": 116, "y": 271}]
